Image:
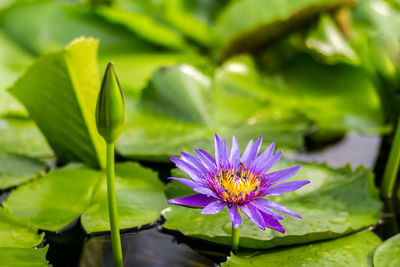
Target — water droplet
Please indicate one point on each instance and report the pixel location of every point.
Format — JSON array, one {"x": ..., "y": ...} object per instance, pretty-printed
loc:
[{"x": 227, "y": 228}]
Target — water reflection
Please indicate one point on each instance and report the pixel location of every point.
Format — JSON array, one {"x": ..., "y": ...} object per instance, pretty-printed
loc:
[{"x": 144, "y": 248}]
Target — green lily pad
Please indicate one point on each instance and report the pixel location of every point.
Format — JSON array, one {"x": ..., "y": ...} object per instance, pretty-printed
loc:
[
  {"x": 17, "y": 233},
  {"x": 194, "y": 18},
  {"x": 328, "y": 43},
  {"x": 21, "y": 136},
  {"x": 324, "y": 94},
  {"x": 249, "y": 25},
  {"x": 352, "y": 250},
  {"x": 59, "y": 23},
  {"x": 335, "y": 203},
  {"x": 61, "y": 196},
  {"x": 387, "y": 254},
  {"x": 60, "y": 92},
  {"x": 13, "y": 61},
  {"x": 180, "y": 111},
  {"x": 16, "y": 170},
  {"x": 144, "y": 26},
  {"x": 18, "y": 257},
  {"x": 18, "y": 237}
]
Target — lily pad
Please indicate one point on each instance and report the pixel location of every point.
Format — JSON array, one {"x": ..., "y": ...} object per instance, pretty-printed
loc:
[
  {"x": 18, "y": 257},
  {"x": 60, "y": 92},
  {"x": 387, "y": 254},
  {"x": 16, "y": 170},
  {"x": 328, "y": 43},
  {"x": 144, "y": 26},
  {"x": 22, "y": 136},
  {"x": 352, "y": 250},
  {"x": 60, "y": 197},
  {"x": 180, "y": 110},
  {"x": 324, "y": 94},
  {"x": 18, "y": 237},
  {"x": 335, "y": 203},
  {"x": 13, "y": 61},
  {"x": 60, "y": 23},
  {"x": 17, "y": 233},
  {"x": 249, "y": 25}
]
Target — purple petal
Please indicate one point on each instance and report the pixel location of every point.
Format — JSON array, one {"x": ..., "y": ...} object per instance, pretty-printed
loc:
[
  {"x": 194, "y": 161},
  {"x": 235, "y": 153},
  {"x": 221, "y": 155},
  {"x": 247, "y": 151},
  {"x": 206, "y": 158},
  {"x": 260, "y": 205},
  {"x": 188, "y": 169},
  {"x": 282, "y": 175},
  {"x": 263, "y": 167},
  {"x": 255, "y": 149},
  {"x": 254, "y": 215},
  {"x": 276, "y": 206},
  {"x": 234, "y": 216},
  {"x": 284, "y": 188},
  {"x": 266, "y": 155},
  {"x": 271, "y": 222},
  {"x": 205, "y": 191},
  {"x": 185, "y": 181},
  {"x": 213, "y": 207},
  {"x": 197, "y": 200}
]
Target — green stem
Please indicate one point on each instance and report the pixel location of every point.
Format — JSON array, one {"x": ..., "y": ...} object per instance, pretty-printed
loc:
[
  {"x": 112, "y": 208},
  {"x": 392, "y": 165},
  {"x": 235, "y": 239}
]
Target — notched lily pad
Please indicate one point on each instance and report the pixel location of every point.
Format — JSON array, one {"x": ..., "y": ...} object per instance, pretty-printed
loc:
[
  {"x": 22, "y": 137},
  {"x": 250, "y": 25},
  {"x": 15, "y": 170},
  {"x": 18, "y": 237},
  {"x": 387, "y": 254},
  {"x": 336, "y": 202},
  {"x": 60, "y": 92},
  {"x": 58, "y": 198},
  {"x": 352, "y": 250}
]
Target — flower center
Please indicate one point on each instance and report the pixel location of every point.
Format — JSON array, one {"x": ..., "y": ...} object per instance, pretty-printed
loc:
[{"x": 237, "y": 187}]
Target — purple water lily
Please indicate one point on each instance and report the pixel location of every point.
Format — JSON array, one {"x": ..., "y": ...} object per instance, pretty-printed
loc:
[{"x": 236, "y": 182}]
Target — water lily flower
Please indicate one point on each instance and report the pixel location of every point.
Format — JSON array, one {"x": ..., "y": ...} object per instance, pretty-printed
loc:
[{"x": 237, "y": 182}]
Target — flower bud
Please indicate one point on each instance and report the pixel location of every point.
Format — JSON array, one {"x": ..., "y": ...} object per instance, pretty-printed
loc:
[{"x": 110, "y": 110}]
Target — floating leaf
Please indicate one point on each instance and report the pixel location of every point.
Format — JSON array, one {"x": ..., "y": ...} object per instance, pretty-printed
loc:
[
  {"x": 249, "y": 25},
  {"x": 387, "y": 254},
  {"x": 13, "y": 61},
  {"x": 15, "y": 170},
  {"x": 180, "y": 110},
  {"x": 21, "y": 136},
  {"x": 336, "y": 202},
  {"x": 327, "y": 42},
  {"x": 58, "y": 198},
  {"x": 352, "y": 250},
  {"x": 60, "y": 92},
  {"x": 17, "y": 239},
  {"x": 17, "y": 233},
  {"x": 24, "y": 257},
  {"x": 60, "y": 23},
  {"x": 144, "y": 26},
  {"x": 325, "y": 94}
]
